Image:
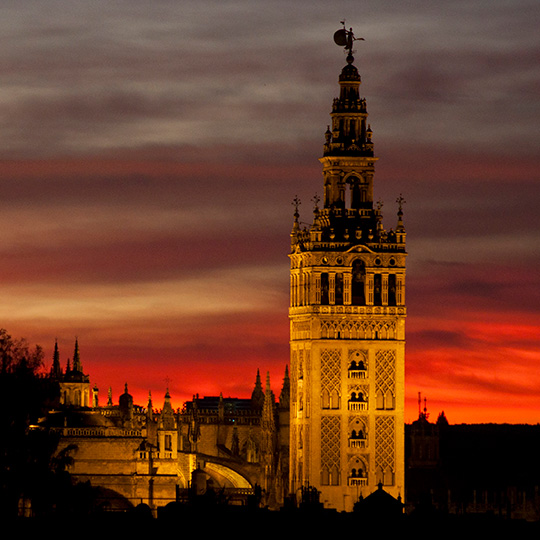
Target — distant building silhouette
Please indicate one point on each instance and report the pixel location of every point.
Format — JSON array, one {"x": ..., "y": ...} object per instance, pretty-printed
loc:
[{"x": 464, "y": 469}]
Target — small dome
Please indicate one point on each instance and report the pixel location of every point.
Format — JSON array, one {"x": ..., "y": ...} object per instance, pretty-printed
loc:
[{"x": 350, "y": 71}]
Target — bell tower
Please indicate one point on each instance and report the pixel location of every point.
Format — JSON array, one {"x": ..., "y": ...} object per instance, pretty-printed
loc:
[{"x": 347, "y": 320}]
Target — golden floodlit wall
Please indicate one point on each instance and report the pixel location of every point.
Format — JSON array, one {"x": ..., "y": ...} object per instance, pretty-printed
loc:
[{"x": 347, "y": 323}]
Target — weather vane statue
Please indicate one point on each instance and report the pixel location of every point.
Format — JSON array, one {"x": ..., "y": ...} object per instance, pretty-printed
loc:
[{"x": 345, "y": 38}]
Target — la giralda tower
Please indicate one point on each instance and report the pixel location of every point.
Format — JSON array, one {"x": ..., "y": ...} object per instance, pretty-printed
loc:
[{"x": 347, "y": 320}]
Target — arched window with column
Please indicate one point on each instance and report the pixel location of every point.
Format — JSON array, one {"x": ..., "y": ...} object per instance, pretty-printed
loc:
[
  {"x": 325, "y": 289},
  {"x": 358, "y": 284}
]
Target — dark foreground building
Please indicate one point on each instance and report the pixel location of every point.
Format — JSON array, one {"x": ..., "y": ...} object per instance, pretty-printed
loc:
[{"x": 473, "y": 469}]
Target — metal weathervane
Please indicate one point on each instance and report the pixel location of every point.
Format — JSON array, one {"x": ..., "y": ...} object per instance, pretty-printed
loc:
[{"x": 345, "y": 38}]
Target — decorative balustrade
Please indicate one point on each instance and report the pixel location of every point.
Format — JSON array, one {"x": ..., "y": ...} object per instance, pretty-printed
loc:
[
  {"x": 358, "y": 406},
  {"x": 357, "y": 443},
  {"x": 355, "y": 481}
]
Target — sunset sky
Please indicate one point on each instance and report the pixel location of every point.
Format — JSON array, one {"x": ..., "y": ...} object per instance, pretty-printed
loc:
[{"x": 150, "y": 151}]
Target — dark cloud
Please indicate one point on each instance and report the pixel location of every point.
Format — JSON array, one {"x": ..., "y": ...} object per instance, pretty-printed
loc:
[
  {"x": 97, "y": 78},
  {"x": 447, "y": 289},
  {"x": 127, "y": 259},
  {"x": 494, "y": 385},
  {"x": 147, "y": 145},
  {"x": 439, "y": 338}
]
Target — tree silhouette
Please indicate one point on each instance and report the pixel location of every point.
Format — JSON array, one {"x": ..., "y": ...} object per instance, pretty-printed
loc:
[{"x": 26, "y": 451}]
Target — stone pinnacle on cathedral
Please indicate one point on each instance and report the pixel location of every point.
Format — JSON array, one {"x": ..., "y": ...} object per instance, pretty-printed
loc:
[
  {"x": 56, "y": 370},
  {"x": 167, "y": 420},
  {"x": 150, "y": 408},
  {"x": 285, "y": 396},
  {"x": 257, "y": 396},
  {"x": 77, "y": 367},
  {"x": 268, "y": 420},
  {"x": 296, "y": 223}
]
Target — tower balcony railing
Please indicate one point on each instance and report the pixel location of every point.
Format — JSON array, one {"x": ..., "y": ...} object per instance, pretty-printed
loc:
[
  {"x": 357, "y": 443},
  {"x": 357, "y": 405},
  {"x": 357, "y": 374},
  {"x": 340, "y": 309},
  {"x": 355, "y": 481}
]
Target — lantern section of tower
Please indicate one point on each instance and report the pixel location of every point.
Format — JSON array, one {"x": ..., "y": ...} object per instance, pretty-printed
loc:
[{"x": 347, "y": 322}]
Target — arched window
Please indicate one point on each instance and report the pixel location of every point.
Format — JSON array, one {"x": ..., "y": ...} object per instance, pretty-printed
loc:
[
  {"x": 334, "y": 400},
  {"x": 392, "y": 290},
  {"x": 325, "y": 399},
  {"x": 377, "y": 290},
  {"x": 334, "y": 476},
  {"x": 339, "y": 289},
  {"x": 359, "y": 191},
  {"x": 389, "y": 400},
  {"x": 379, "y": 400},
  {"x": 358, "y": 293},
  {"x": 324, "y": 289},
  {"x": 325, "y": 476}
]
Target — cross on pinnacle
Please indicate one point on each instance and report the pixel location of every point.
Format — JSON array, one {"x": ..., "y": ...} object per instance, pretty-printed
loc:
[{"x": 296, "y": 203}]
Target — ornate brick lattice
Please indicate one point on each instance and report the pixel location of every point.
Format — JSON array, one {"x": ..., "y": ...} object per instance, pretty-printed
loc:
[
  {"x": 301, "y": 330},
  {"x": 330, "y": 442},
  {"x": 385, "y": 372},
  {"x": 385, "y": 446},
  {"x": 331, "y": 370},
  {"x": 358, "y": 329}
]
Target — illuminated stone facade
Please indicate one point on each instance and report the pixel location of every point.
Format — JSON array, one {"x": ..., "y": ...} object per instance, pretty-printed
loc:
[
  {"x": 347, "y": 323},
  {"x": 133, "y": 454}
]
